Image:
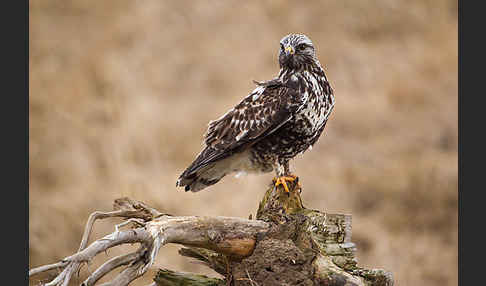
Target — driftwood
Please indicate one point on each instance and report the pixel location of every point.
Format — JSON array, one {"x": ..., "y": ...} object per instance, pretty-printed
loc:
[{"x": 287, "y": 244}]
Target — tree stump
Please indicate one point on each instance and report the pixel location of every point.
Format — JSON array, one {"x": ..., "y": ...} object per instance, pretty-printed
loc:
[
  {"x": 287, "y": 244},
  {"x": 301, "y": 247}
]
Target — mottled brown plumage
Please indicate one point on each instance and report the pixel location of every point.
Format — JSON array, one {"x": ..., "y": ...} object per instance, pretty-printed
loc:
[{"x": 280, "y": 119}]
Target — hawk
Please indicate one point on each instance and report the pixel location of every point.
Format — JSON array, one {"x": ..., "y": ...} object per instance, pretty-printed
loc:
[{"x": 279, "y": 119}]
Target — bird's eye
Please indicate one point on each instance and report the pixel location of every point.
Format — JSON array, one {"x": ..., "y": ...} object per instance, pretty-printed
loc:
[{"x": 301, "y": 47}]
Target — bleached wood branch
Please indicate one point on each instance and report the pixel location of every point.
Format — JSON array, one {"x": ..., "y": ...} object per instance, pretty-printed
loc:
[
  {"x": 234, "y": 237},
  {"x": 287, "y": 244}
]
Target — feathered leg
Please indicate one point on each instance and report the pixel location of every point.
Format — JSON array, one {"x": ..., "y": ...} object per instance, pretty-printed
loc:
[{"x": 284, "y": 176}]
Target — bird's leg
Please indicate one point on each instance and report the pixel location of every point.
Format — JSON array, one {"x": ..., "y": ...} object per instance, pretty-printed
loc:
[
  {"x": 284, "y": 176},
  {"x": 288, "y": 174},
  {"x": 286, "y": 167},
  {"x": 291, "y": 176}
]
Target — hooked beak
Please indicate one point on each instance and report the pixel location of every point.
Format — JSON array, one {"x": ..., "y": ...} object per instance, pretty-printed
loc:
[{"x": 289, "y": 50}]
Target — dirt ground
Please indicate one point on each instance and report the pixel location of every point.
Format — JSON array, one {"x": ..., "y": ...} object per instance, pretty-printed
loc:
[{"x": 122, "y": 91}]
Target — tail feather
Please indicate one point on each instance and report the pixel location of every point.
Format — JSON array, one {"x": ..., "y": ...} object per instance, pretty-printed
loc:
[
  {"x": 199, "y": 184},
  {"x": 197, "y": 180},
  {"x": 200, "y": 179},
  {"x": 203, "y": 173}
]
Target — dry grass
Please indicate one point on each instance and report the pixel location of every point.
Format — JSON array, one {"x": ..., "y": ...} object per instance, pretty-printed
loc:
[{"x": 122, "y": 91}]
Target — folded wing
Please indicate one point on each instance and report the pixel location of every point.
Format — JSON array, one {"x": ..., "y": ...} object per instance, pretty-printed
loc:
[{"x": 262, "y": 112}]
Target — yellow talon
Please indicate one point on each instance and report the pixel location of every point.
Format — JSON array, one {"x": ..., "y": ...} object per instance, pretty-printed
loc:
[{"x": 282, "y": 181}]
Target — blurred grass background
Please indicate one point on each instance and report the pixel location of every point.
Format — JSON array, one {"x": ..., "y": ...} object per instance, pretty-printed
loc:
[{"x": 121, "y": 93}]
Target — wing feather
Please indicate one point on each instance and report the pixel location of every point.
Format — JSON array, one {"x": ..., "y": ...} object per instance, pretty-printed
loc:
[{"x": 262, "y": 112}]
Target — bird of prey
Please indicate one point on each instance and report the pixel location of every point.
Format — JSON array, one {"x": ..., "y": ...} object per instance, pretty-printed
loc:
[{"x": 279, "y": 119}]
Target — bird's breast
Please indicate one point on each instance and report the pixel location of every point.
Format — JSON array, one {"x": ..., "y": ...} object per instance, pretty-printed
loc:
[{"x": 313, "y": 114}]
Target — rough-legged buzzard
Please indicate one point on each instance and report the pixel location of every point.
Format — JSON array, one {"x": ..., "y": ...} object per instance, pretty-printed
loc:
[{"x": 280, "y": 119}]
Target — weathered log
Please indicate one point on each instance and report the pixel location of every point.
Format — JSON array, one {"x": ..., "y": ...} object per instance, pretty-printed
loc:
[
  {"x": 302, "y": 247},
  {"x": 235, "y": 237},
  {"x": 287, "y": 244}
]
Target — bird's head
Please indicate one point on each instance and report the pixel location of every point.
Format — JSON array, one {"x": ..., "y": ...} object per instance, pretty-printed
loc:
[{"x": 296, "y": 52}]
